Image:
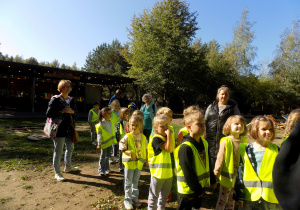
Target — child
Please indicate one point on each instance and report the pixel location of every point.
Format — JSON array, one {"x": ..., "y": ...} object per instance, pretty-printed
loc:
[
  {"x": 93, "y": 119},
  {"x": 183, "y": 131},
  {"x": 138, "y": 113},
  {"x": 133, "y": 146},
  {"x": 256, "y": 187},
  {"x": 160, "y": 148},
  {"x": 193, "y": 163},
  {"x": 115, "y": 113},
  {"x": 120, "y": 131},
  {"x": 228, "y": 159},
  {"x": 105, "y": 138},
  {"x": 292, "y": 120}
]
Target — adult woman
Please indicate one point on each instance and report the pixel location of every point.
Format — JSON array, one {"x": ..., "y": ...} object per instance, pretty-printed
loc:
[
  {"x": 215, "y": 116},
  {"x": 149, "y": 110},
  {"x": 63, "y": 106}
]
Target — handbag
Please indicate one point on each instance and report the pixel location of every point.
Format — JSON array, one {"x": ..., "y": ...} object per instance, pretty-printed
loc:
[
  {"x": 74, "y": 134},
  {"x": 51, "y": 127}
]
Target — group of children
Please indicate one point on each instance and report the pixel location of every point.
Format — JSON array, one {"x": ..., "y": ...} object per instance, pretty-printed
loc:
[{"x": 243, "y": 170}]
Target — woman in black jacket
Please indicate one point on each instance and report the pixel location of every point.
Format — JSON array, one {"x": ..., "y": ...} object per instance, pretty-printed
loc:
[
  {"x": 215, "y": 117},
  {"x": 63, "y": 106}
]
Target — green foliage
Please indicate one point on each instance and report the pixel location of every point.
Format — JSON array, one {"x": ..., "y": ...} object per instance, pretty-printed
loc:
[
  {"x": 107, "y": 59},
  {"x": 240, "y": 52},
  {"x": 159, "y": 47}
]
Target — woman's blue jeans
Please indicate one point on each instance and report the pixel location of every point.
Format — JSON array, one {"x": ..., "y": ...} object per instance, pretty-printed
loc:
[{"x": 59, "y": 143}]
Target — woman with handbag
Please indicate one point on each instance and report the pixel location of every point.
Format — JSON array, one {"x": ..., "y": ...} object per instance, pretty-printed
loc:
[{"x": 63, "y": 107}]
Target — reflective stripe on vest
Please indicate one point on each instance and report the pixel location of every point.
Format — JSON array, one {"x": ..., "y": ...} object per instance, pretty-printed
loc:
[
  {"x": 160, "y": 165},
  {"x": 107, "y": 139},
  {"x": 261, "y": 185},
  {"x": 201, "y": 170},
  {"x": 95, "y": 116},
  {"x": 139, "y": 162}
]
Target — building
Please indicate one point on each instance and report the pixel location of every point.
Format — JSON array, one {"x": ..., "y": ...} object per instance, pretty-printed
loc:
[{"x": 26, "y": 87}]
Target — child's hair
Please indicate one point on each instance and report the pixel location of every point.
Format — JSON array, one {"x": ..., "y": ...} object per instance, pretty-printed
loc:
[
  {"x": 190, "y": 109},
  {"x": 292, "y": 120},
  {"x": 164, "y": 110},
  {"x": 254, "y": 126},
  {"x": 114, "y": 102},
  {"x": 139, "y": 113},
  {"x": 159, "y": 118},
  {"x": 193, "y": 116},
  {"x": 230, "y": 120},
  {"x": 130, "y": 111},
  {"x": 101, "y": 113},
  {"x": 123, "y": 111},
  {"x": 136, "y": 118}
]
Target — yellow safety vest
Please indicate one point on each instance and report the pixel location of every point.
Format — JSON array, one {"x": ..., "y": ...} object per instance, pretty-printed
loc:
[
  {"x": 160, "y": 165},
  {"x": 226, "y": 178},
  {"x": 184, "y": 131},
  {"x": 261, "y": 185},
  {"x": 107, "y": 138},
  {"x": 173, "y": 136},
  {"x": 139, "y": 162},
  {"x": 202, "y": 170},
  {"x": 114, "y": 117},
  {"x": 95, "y": 116},
  {"x": 285, "y": 138}
]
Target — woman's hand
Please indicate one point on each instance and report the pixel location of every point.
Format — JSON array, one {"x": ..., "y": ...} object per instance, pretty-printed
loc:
[{"x": 67, "y": 109}]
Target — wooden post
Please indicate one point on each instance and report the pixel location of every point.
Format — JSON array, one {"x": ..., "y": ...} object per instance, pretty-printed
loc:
[{"x": 33, "y": 92}]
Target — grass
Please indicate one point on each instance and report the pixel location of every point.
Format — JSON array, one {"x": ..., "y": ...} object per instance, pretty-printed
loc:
[
  {"x": 27, "y": 186},
  {"x": 20, "y": 154}
]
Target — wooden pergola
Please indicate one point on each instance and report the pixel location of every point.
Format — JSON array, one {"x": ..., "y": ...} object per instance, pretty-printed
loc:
[{"x": 26, "y": 83}]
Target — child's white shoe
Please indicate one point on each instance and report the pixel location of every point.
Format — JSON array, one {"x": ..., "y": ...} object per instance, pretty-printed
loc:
[
  {"x": 59, "y": 177},
  {"x": 70, "y": 169}
]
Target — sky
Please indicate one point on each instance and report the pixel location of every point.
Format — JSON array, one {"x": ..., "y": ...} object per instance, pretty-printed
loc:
[{"x": 68, "y": 30}]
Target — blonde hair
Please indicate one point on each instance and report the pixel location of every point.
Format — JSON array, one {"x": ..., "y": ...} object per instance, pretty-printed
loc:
[
  {"x": 254, "y": 126},
  {"x": 62, "y": 84},
  {"x": 114, "y": 102},
  {"x": 164, "y": 110},
  {"x": 230, "y": 120},
  {"x": 137, "y": 119},
  {"x": 191, "y": 110},
  {"x": 292, "y": 120},
  {"x": 123, "y": 111},
  {"x": 139, "y": 113},
  {"x": 102, "y": 111},
  {"x": 159, "y": 118},
  {"x": 223, "y": 87},
  {"x": 193, "y": 116}
]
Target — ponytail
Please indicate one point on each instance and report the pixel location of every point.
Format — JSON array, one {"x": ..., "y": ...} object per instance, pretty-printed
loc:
[{"x": 101, "y": 113}]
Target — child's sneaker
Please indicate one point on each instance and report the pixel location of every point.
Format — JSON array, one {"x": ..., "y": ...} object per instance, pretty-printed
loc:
[
  {"x": 59, "y": 177},
  {"x": 102, "y": 174},
  {"x": 70, "y": 169},
  {"x": 128, "y": 205},
  {"x": 108, "y": 171}
]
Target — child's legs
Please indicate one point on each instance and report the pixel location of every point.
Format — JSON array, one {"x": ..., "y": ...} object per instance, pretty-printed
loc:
[
  {"x": 135, "y": 184},
  {"x": 108, "y": 152},
  {"x": 102, "y": 161},
  {"x": 57, "y": 152},
  {"x": 164, "y": 192},
  {"x": 69, "y": 145},
  {"x": 224, "y": 195},
  {"x": 128, "y": 177},
  {"x": 93, "y": 132},
  {"x": 115, "y": 149},
  {"x": 154, "y": 190}
]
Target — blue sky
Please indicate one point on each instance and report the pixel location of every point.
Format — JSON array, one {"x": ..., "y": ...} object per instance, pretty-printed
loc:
[{"x": 67, "y": 30}]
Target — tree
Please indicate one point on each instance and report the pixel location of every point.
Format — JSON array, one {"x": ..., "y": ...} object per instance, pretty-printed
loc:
[
  {"x": 159, "y": 47},
  {"x": 32, "y": 61},
  {"x": 18, "y": 59},
  {"x": 106, "y": 59},
  {"x": 240, "y": 53},
  {"x": 286, "y": 64},
  {"x": 54, "y": 64}
]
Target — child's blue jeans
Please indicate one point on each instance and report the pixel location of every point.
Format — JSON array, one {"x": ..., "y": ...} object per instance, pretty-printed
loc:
[
  {"x": 132, "y": 177},
  {"x": 104, "y": 160}
]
